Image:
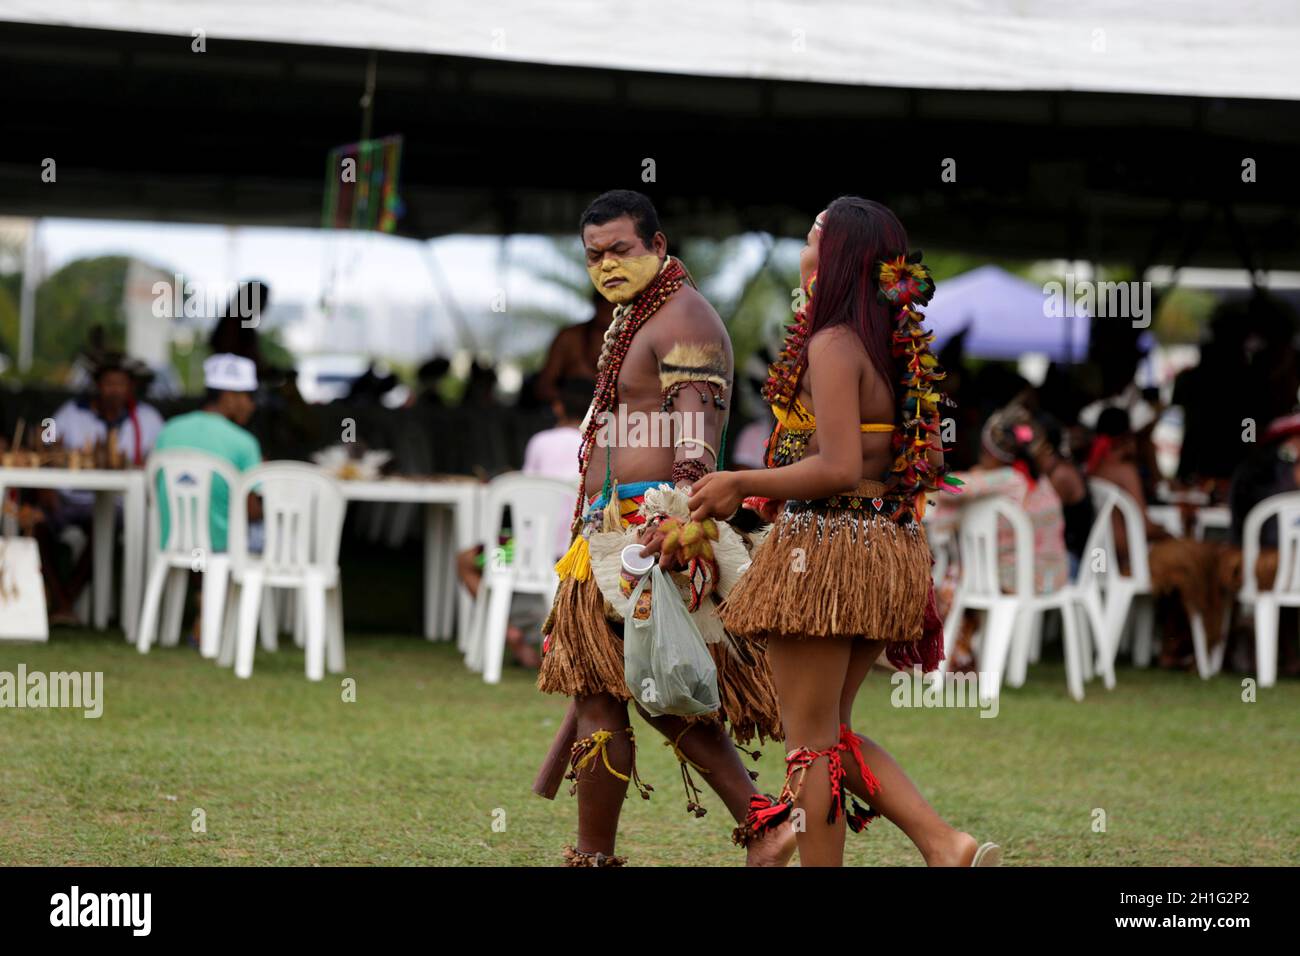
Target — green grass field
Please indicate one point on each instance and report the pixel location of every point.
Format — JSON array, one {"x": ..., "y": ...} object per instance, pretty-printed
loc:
[{"x": 417, "y": 768}]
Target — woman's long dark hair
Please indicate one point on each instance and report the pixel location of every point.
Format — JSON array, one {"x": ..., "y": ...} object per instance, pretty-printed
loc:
[{"x": 856, "y": 234}]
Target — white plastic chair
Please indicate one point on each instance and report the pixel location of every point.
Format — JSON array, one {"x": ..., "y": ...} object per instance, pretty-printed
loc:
[
  {"x": 1010, "y": 618},
  {"x": 1121, "y": 593},
  {"x": 8, "y": 520},
  {"x": 943, "y": 547},
  {"x": 1209, "y": 661},
  {"x": 539, "y": 507},
  {"x": 187, "y": 478},
  {"x": 302, "y": 515},
  {"x": 1286, "y": 585}
]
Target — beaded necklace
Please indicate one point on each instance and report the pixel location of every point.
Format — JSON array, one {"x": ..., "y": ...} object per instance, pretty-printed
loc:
[
  {"x": 782, "y": 385},
  {"x": 786, "y": 445},
  {"x": 628, "y": 319}
]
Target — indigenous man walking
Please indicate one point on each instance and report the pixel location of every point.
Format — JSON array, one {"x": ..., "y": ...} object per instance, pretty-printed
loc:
[{"x": 666, "y": 358}]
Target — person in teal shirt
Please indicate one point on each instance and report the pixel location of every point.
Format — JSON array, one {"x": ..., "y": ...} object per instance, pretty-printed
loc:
[{"x": 218, "y": 429}]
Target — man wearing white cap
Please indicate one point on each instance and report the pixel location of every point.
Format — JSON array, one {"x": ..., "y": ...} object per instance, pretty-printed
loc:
[{"x": 218, "y": 429}]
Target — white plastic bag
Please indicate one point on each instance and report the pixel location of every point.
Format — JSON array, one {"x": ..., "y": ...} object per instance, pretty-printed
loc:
[{"x": 666, "y": 664}]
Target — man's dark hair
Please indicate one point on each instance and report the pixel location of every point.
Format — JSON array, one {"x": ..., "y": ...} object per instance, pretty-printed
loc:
[
  {"x": 1113, "y": 421},
  {"x": 211, "y": 396},
  {"x": 110, "y": 362},
  {"x": 623, "y": 202}
]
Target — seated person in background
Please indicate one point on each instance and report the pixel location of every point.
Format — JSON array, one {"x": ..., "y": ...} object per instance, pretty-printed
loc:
[
  {"x": 1271, "y": 469},
  {"x": 1141, "y": 410},
  {"x": 124, "y": 430},
  {"x": 112, "y": 408},
  {"x": 551, "y": 453},
  {"x": 1072, "y": 488},
  {"x": 1009, "y": 465},
  {"x": 218, "y": 428},
  {"x": 1113, "y": 458},
  {"x": 1184, "y": 573}
]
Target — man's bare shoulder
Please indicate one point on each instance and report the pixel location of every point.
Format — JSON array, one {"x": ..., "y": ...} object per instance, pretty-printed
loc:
[
  {"x": 687, "y": 317},
  {"x": 690, "y": 304}
]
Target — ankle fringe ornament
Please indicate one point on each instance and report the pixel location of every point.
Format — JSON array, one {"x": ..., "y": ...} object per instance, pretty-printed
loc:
[
  {"x": 589, "y": 751},
  {"x": 859, "y": 817},
  {"x": 693, "y": 792},
  {"x": 753, "y": 755},
  {"x": 750, "y": 830},
  {"x": 766, "y": 813},
  {"x": 575, "y": 857}
]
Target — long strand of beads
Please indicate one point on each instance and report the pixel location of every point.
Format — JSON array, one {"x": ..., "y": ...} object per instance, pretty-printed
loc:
[{"x": 627, "y": 321}]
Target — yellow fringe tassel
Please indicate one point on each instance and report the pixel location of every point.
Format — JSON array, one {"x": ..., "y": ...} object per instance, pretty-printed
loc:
[{"x": 576, "y": 562}]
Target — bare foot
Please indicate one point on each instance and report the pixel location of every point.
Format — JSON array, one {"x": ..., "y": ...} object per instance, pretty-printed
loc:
[
  {"x": 772, "y": 849},
  {"x": 958, "y": 850}
]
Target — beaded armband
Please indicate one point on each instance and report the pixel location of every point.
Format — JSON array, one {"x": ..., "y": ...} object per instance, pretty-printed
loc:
[
  {"x": 701, "y": 366},
  {"x": 687, "y": 471}
]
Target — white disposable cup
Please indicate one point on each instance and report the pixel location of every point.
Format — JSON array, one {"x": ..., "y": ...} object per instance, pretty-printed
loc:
[{"x": 634, "y": 563}]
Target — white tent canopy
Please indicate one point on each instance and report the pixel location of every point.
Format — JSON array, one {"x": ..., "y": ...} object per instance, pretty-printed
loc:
[
  {"x": 1006, "y": 317},
  {"x": 1246, "y": 48}
]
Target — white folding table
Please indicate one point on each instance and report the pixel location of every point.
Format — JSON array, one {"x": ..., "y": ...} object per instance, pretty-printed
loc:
[
  {"x": 451, "y": 508},
  {"x": 107, "y": 486}
]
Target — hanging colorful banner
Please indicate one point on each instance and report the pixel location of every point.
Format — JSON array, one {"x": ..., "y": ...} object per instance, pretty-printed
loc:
[{"x": 361, "y": 186}]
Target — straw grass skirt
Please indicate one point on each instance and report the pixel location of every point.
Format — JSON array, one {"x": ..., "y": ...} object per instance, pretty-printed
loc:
[{"x": 836, "y": 567}]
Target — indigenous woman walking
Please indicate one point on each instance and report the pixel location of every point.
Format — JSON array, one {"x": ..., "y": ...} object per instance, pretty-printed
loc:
[{"x": 844, "y": 572}]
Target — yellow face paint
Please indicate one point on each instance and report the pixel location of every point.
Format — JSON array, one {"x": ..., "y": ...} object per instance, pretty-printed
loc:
[{"x": 636, "y": 271}]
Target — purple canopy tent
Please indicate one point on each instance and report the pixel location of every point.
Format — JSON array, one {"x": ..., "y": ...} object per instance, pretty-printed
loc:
[{"x": 1008, "y": 317}]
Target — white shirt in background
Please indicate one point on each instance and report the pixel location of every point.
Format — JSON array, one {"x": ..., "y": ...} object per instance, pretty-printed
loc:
[
  {"x": 76, "y": 425},
  {"x": 554, "y": 453}
]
